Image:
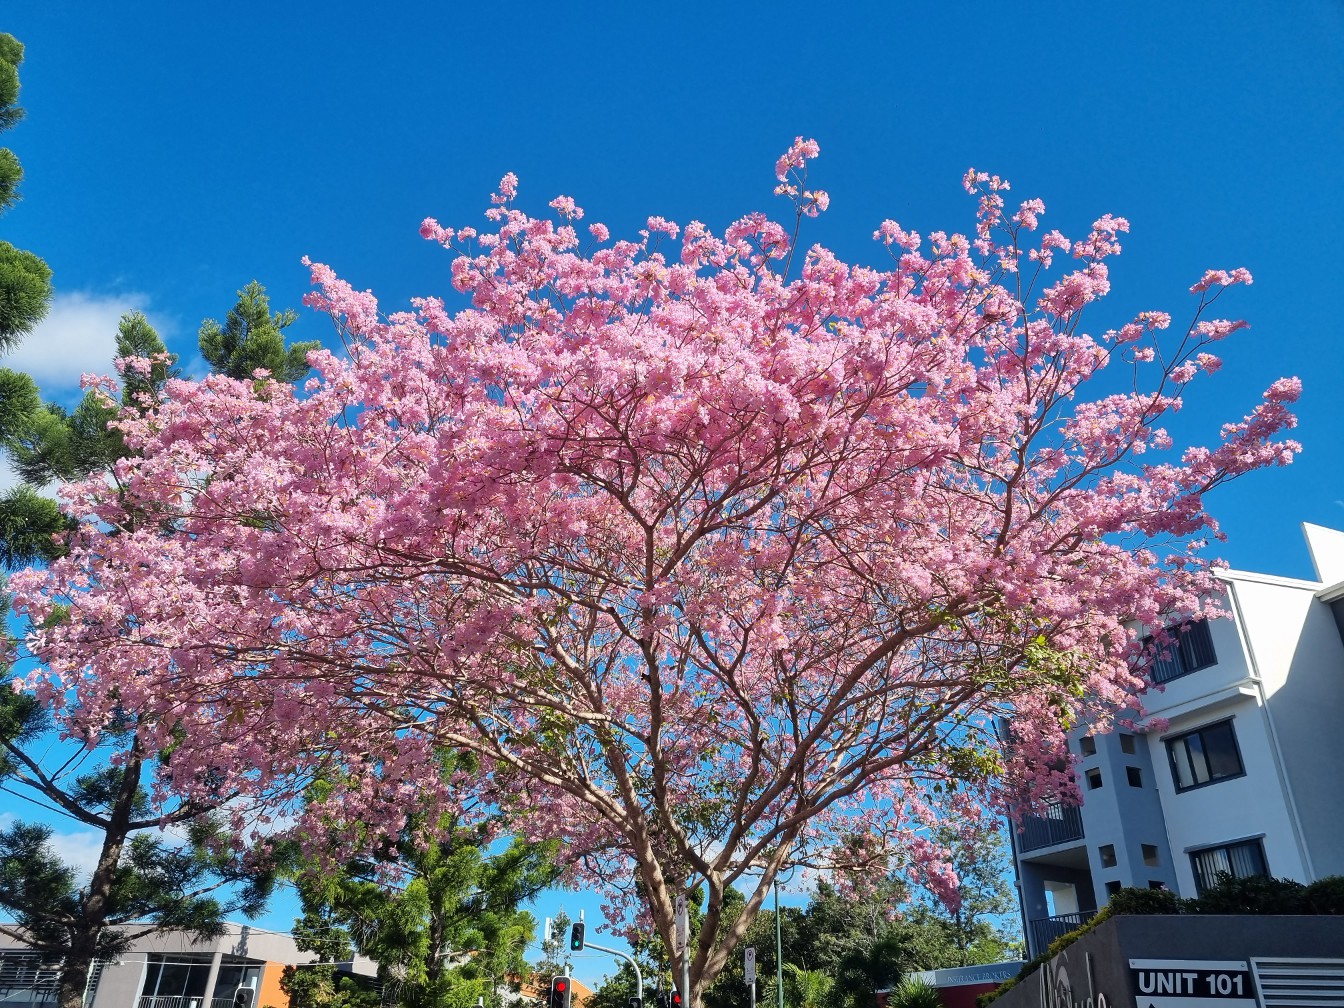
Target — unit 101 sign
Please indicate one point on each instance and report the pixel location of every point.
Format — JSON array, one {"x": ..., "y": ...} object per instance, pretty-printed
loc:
[{"x": 1191, "y": 983}]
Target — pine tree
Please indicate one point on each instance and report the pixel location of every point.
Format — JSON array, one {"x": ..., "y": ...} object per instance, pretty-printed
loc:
[
  {"x": 27, "y": 519},
  {"x": 252, "y": 338},
  {"x": 25, "y": 280},
  {"x": 142, "y": 881},
  {"x": 450, "y": 930}
]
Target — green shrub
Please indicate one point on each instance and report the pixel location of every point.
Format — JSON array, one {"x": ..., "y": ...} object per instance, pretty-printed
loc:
[
  {"x": 1325, "y": 896},
  {"x": 913, "y": 993},
  {"x": 1255, "y": 894},
  {"x": 1132, "y": 902}
]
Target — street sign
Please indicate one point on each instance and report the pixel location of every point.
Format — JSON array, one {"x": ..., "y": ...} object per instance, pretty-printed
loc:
[
  {"x": 751, "y": 964},
  {"x": 1192, "y": 983}
]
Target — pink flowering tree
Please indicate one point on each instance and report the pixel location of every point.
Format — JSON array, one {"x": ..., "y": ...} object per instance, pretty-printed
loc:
[{"x": 721, "y": 554}]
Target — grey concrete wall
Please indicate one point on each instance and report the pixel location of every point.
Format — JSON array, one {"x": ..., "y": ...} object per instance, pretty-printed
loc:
[{"x": 1098, "y": 963}]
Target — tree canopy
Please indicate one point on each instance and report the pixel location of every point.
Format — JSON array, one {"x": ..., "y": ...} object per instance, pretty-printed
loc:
[
  {"x": 719, "y": 553},
  {"x": 25, "y": 280}
]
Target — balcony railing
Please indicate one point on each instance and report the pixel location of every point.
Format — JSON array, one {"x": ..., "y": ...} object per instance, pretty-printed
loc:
[
  {"x": 180, "y": 1001},
  {"x": 1047, "y": 929},
  {"x": 1061, "y": 824}
]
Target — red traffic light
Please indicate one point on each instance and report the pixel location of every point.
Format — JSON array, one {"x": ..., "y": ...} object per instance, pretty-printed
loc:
[{"x": 560, "y": 986}]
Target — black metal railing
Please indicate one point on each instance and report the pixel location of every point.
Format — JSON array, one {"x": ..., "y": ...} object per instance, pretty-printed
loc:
[
  {"x": 1060, "y": 824},
  {"x": 1047, "y": 929}
]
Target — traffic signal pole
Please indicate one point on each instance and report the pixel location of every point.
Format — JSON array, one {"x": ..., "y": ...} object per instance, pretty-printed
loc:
[{"x": 578, "y": 944}]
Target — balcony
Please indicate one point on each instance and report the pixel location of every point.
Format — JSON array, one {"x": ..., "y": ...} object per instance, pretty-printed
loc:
[
  {"x": 1047, "y": 929},
  {"x": 1060, "y": 824},
  {"x": 180, "y": 1001}
]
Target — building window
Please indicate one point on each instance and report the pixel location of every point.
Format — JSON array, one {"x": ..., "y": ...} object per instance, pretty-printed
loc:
[
  {"x": 1134, "y": 775},
  {"x": 1094, "y": 779},
  {"x": 1240, "y": 860},
  {"x": 1156, "y": 884},
  {"x": 1127, "y": 744},
  {"x": 1189, "y": 650},
  {"x": 1150, "y": 855},
  {"x": 1087, "y": 745},
  {"x": 1112, "y": 888},
  {"x": 1107, "y": 854},
  {"x": 1205, "y": 756}
]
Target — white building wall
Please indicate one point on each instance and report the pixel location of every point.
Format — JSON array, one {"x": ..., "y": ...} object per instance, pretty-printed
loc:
[
  {"x": 1228, "y": 810},
  {"x": 1294, "y": 643}
]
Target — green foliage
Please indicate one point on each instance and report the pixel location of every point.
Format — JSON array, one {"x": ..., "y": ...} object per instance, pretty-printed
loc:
[
  {"x": 252, "y": 338},
  {"x": 18, "y": 398},
  {"x": 321, "y": 985},
  {"x": 802, "y": 988},
  {"x": 1255, "y": 894},
  {"x": 912, "y": 993},
  {"x": 1156, "y": 902},
  {"x": 449, "y": 931},
  {"x": 46, "y": 444},
  {"x": 137, "y": 338},
  {"x": 861, "y": 946},
  {"x": 29, "y": 525},
  {"x": 25, "y": 280},
  {"x": 25, "y": 293},
  {"x": 11, "y": 55},
  {"x": 1325, "y": 896}
]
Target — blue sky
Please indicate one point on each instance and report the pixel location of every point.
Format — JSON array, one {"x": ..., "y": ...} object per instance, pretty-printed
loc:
[{"x": 173, "y": 155}]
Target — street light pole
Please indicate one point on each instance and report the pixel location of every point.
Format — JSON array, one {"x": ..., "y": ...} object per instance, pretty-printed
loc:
[{"x": 779, "y": 953}]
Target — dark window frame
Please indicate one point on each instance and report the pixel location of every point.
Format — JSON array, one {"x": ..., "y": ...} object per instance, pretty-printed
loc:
[
  {"x": 1256, "y": 843},
  {"x": 1190, "y": 650},
  {"x": 1172, "y": 741}
]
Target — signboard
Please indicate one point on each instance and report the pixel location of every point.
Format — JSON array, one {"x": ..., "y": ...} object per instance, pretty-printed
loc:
[
  {"x": 1192, "y": 983},
  {"x": 750, "y": 964}
]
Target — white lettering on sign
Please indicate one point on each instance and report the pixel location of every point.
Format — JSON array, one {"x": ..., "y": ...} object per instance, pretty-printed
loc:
[{"x": 1192, "y": 983}]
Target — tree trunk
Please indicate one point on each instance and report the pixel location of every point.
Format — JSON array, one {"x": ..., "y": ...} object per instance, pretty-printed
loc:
[
  {"x": 96, "y": 906},
  {"x": 75, "y": 973}
]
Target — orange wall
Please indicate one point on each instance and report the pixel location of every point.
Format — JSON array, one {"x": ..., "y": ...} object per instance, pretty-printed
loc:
[{"x": 270, "y": 995}]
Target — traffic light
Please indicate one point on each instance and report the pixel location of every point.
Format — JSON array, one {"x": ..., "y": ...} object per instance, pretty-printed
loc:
[
  {"x": 636, "y": 1002},
  {"x": 676, "y": 998},
  {"x": 242, "y": 997},
  {"x": 576, "y": 937},
  {"x": 560, "y": 992}
]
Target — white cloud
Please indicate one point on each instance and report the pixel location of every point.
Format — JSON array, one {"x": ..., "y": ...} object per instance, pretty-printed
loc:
[
  {"x": 78, "y": 336},
  {"x": 79, "y": 850}
]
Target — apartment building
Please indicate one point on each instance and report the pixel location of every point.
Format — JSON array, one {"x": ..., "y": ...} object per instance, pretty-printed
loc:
[{"x": 1247, "y": 777}]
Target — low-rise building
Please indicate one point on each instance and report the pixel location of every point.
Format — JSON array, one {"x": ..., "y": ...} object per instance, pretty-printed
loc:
[
  {"x": 1246, "y": 778},
  {"x": 240, "y": 969}
]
